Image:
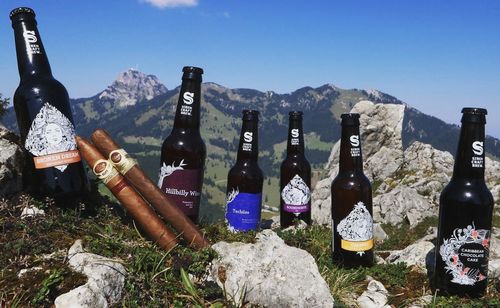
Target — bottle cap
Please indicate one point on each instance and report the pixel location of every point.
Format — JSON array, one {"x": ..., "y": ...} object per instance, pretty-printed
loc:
[
  {"x": 192, "y": 73},
  {"x": 250, "y": 115},
  {"x": 21, "y": 10},
  {"x": 474, "y": 115},
  {"x": 350, "y": 118},
  {"x": 295, "y": 114}
]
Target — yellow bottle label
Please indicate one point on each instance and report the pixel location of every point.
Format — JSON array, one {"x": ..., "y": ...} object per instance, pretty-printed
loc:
[{"x": 356, "y": 246}]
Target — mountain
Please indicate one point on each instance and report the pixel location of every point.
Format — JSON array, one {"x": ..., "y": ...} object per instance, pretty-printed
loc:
[
  {"x": 138, "y": 111},
  {"x": 131, "y": 87}
]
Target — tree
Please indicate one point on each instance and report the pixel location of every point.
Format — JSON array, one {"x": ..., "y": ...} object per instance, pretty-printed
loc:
[{"x": 4, "y": 102}]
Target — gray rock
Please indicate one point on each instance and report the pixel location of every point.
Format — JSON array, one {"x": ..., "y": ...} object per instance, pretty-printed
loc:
[
  {"x": 379, "y": 233},
  {"x": 106, "y": 279},
  {"x": 270, "y": 273},
  {"x": 418, "y": 254},
  {"x": 402, "y": 203},
  {"x": 382, "y": 147},
  {"x": 11, "y": 163},
  {"x": 375, "y": 295}
]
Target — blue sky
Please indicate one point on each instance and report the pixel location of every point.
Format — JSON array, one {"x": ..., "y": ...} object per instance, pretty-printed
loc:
[{"x": 438, "y": 56}]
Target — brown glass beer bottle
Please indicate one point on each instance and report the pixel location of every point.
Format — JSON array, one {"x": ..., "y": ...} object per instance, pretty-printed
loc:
[
  {"x": 465, "y": 216},
  {"x": 183, "y": 152},
  {"x": 295, "y": 176},
  {"x": 53, "y": 165},
  {"x": 245, "y": 179},
  {"x": 352, "y": 223}
]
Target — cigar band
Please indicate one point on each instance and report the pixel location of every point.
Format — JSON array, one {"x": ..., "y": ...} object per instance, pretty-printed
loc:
[
  {"x": 119, "y": 187},
  {"x": 121, "y": 160},
  {"x": 104, "y": 170}
]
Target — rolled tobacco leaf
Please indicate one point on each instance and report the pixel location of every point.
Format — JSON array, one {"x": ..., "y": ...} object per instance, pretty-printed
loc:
[
  {"x": 140, "y": 211},
  {"x": 148, "y": 189}
]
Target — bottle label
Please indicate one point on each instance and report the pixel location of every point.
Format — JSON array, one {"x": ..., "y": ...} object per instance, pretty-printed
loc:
[
  {"x": 182, "y": 186},
  {"x": 355, "y": 149},
  {"x": 32, "y": 42},
  {"x": 295, "y": 133},
  {"x": 465, "y": 255},
  {"x": 296, "y": 196},
  {"x": 51, "y": 139},
  {"x": 188, "y": 100},
  {"x": 478, "y": 151},
  {"x": 247, "y": 144},
  {"x": 243, "y": 211},
  {"x": 356, "y": 230}
]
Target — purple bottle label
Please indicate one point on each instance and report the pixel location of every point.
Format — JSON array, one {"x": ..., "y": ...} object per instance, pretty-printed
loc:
[
  {"x": 182, "y": 186},
  {"x": 243, "y": 211},
  {"x": 297, "y": 208}
]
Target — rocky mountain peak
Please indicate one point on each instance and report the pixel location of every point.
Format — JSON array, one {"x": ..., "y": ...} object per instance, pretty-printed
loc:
[{"x": 132, "y": 86}]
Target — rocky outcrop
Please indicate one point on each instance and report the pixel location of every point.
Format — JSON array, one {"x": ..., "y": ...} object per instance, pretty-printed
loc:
[
  {"x": 409, "y": 182},
  {"x": 131, "y": 87},
  {"x": 11, "y": 159},
  {"x": 106, "y": 280},
  {"x": 402, "y": 203},
  {"x": 270, "y": 273},
  {"x": 382, "y": 149}
]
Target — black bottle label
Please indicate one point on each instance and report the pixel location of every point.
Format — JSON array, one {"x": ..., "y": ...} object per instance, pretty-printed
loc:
[
  {"x": 187, "y": 101},
  {"x": 355, "y": 147},
  {"x": 356, "y": 230},
  {"x": 478, "y": 151},
  {"x": 31, "y": 42},
  {"x": 51, "y": 139},
  {"x": 465, "y": 255}
]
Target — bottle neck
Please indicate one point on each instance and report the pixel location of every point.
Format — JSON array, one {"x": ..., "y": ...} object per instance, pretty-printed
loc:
[
  {"x": 295, "y": 144},
  {"x": 469, "y": 161},
  {"x": 31, "y": 57},
  {"x": 350, "y": 149},
  {"x": 188, "y": 107},
  {"x": 248, "y": 148}
]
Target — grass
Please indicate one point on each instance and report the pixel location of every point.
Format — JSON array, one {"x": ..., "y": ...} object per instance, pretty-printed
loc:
[{"x": 157, "y": 278}]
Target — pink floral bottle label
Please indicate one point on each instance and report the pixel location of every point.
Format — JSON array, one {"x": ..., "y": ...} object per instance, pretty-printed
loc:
[{"x": 465, "y": 255}]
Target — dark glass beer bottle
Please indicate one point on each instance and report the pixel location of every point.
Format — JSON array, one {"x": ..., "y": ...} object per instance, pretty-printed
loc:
[
  {"x": 245, "y": 179},
  {"x": 183, "y": 152},
  {"x": 53, "y": 165},
  {"x": 465, "y": 216},
  {"x": 295, "y": 176},
  {"x": 352, "y": 222}
]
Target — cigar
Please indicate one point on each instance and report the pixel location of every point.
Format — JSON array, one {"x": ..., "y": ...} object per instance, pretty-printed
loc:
[
  {"x": 148, "y": 189},
  {"x": 140, "y": 211}
]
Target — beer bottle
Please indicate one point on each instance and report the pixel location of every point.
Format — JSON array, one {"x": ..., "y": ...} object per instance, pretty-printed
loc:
[
  {"x": 53, "y": 165},
  {"x": 295, "y": 176},
  {"x": 352, "y": 223},
  {"x": 465, "y": 216},
  {"x": 183, "y": 152},
  {"x": 245, "y": 179}
]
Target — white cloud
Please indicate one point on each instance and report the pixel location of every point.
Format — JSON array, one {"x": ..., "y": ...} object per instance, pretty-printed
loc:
[{"x": 171, "y": 3}]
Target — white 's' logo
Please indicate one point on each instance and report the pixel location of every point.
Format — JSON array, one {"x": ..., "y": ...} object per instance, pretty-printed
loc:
[
  {"x": 477, "y": 147},
  {"x": 354, "y": 140},
  {"x": 30, "y": 36},
  {"x": 295, "y": 133},
  {"x": 188, "y": 98},
  {"x": 248, "y": 136}
]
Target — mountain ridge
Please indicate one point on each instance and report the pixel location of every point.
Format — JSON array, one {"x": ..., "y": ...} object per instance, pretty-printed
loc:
[{"x": 142, "y": 126}]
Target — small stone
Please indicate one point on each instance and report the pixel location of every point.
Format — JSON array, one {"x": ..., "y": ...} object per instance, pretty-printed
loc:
[
  {"x": 416, "y": 254},
  {"x": 375, "y": 295},
  {"x": 32, "y": 211},
  {"x": 379, "y": 233},
  {"x": 24, "y": 271}
]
